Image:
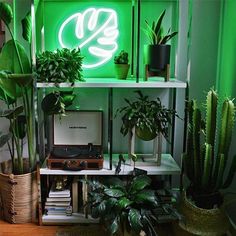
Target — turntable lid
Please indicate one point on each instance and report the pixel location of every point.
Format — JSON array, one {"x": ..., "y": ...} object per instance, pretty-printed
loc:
[{"x": 78, "y": 128}]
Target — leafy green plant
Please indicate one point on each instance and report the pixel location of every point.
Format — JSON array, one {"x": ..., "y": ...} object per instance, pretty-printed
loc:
[
  {"x": 155, "y": 32},
  {"x": 63, "y": 65},
  {"x": 122, "y": 58},
  {"x": 145, "y": 115},
  {"x": 57, "y": 101},
  {"x": 16, "y": 87},
  {"x": 206, "y": 157},
  {"x": 124, "y": 205}
]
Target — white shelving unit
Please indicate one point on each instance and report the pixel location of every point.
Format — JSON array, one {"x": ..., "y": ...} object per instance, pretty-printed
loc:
[
  {"x": 73, "y": 219},
  {"x": 168, "y": 167},
  {"x": 153, "y": 82},
  {"x": 168, "y": 164}
]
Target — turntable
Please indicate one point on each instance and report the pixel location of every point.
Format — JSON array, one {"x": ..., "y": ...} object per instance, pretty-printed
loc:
[{"x": 77, "y": 141}]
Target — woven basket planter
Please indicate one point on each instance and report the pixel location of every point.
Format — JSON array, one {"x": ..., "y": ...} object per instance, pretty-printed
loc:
[
  {"x": 199, "y": 221},
  {"x": 19, "y": 197}
]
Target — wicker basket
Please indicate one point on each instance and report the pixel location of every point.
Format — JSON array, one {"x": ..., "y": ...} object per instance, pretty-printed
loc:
[
  {"x": 198, "y": 221},
  {"x": 19, "y": 197}
]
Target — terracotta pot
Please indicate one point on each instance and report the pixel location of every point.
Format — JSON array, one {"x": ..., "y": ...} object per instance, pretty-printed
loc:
[
  {"x": 19, "y": 197},
  {"x": 121, "y": 70},
  {"x": 199, "y": 221}
]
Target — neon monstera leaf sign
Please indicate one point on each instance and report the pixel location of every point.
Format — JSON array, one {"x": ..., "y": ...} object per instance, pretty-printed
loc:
[{"x": 95, "y": 31}]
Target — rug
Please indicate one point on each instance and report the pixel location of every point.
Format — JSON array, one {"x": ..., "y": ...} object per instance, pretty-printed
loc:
[{"x": 82, "y": 230}]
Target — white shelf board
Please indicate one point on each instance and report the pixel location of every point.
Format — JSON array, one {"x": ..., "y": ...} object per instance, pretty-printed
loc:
[
  {"x": 153, "y": 82},
  {"x": 168, "y": 167},
  {"x": 63, "y": 219}
]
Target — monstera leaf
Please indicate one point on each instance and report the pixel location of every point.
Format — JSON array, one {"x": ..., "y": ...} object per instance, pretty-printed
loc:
[{"x": 94, "y": 31}]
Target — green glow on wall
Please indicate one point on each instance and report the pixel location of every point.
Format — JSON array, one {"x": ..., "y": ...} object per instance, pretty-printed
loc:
[
  {"x": 95, "y": 29},
  {"x": 226, "y": 81},
  {"x": 114, "y": 20}
]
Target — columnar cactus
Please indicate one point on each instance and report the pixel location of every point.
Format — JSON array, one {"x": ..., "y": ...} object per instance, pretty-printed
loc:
[{"x": 207, "y": 155}]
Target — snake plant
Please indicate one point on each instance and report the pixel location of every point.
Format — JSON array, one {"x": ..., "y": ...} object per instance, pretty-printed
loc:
[{"x": 206, "y": 158}]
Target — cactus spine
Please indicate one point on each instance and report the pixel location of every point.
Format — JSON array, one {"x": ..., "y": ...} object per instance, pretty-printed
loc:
[{"x": 204, "y": 166}]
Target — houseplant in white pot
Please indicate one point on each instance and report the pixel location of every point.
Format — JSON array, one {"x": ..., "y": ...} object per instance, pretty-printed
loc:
[
  {"x": 204, "y": 163},
  {"x": 121, "y": 65},
  {"x": 157, "y": 52},
  {"x": 18, "y": 189}
]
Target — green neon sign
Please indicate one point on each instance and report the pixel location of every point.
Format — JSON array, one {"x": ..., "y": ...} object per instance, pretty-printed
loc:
[{"x": 95, "y": 31}]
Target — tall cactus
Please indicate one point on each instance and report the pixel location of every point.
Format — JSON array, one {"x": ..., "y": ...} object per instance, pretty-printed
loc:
[{"x": 205, "y": 159}]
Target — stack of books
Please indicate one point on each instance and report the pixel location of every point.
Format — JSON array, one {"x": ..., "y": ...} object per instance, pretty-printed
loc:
[{"x": 58, "y": 202}]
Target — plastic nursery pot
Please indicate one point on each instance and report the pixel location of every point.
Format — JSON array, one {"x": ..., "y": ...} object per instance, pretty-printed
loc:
[{"x": 121, "y": 70}]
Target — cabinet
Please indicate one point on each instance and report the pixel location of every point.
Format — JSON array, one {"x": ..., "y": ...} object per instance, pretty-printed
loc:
[{"x": 112, "y": 90}]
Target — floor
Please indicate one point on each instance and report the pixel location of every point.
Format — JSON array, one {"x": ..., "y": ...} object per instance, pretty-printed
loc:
[{"x": 7, "y": 229}]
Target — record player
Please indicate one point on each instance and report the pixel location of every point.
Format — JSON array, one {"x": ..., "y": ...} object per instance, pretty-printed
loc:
[{"x": 77, "y": 141}]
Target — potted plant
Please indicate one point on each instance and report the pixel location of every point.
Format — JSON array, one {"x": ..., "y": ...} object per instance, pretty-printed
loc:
[
  {"x": 205, "y": 164},
  {"x": 149, "y": 117},
  {"x": 18, "y": 189},
  {"x": 56, "y": 102},
  {"x": 63, "y": 65},
  {"x": 124, "y": 207},
  {"x": 121, "y": 65},
  {"x": 157, "y": 52}
]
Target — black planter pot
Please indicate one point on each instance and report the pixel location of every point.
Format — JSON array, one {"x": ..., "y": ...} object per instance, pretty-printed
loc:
[{"x": 157, "y": 56}]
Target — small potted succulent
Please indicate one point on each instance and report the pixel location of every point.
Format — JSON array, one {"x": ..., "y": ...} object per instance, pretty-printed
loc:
[
  {"x": 157, "y": 52},
  {"x": 121, "y": 65}
]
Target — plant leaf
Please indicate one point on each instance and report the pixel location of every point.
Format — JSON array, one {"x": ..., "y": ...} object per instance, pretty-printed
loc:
[
  {"x": 95, "y": 32},
  {"x": 4, "y": 139},
  {"x": 114, "y": 192},
  {"x": 6, "y": 13},
  {"x": 145, "y": 196},
  {"x": 158, "y": 23},
  {"x": 9, "y": 60},
  {"x": 114, "y": 226},
  {"x": 124, "y": 202},
  {"x": 134, "y": 218},
  {"x": 9, "y": 88},
  {"x": 139, "y": 183},
  {"x": 10, "y": 114},
  {"x": 27, "y": 27}
]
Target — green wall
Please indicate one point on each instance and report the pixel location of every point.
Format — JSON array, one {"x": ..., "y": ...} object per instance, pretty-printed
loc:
[{"x": 226, "y": 80}]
